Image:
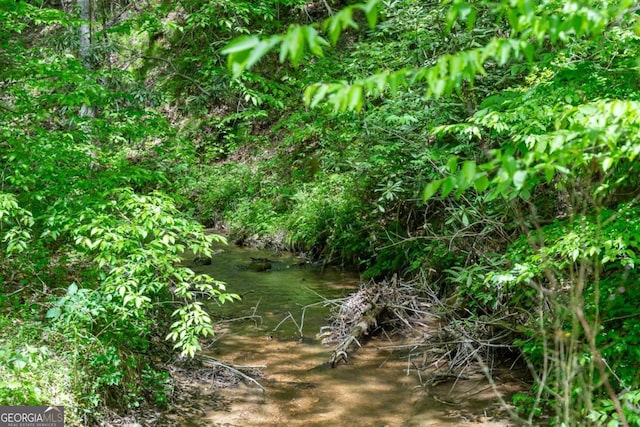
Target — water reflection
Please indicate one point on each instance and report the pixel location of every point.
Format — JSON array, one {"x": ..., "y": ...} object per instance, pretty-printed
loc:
[{"x": 286, "y": 287}]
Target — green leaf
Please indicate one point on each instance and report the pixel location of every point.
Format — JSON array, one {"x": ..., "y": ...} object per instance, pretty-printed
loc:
[
  {"x": 314, "y": 41},
  {"x": 53, "y": 313},
  {"x": 529, "y": 51},
  {"x": 72, "y": 289},
  {"x": 258, "y": 51},
  {"x": 505, "y": 51},
  {"x": 371, "y": 12},
  {"x": 240, "y": 44},
  {"x": 246, "y": 51},
  {"x": 293, "y": 45},
  {"x": 472, "y": 15},
  {"x": 481, "y": 183},
  {"x": 395, "y": 81},
  {"x": 452, "y": 164},
  {"x": 549, "y": 172},
  {"x": 430, "y": 189},
  {"x": 465, "y": 220},
  {"x": 19, "y": 364},
  {"x": 447, "y": 186},
  {"x": 519, "y": 178},
  {"x": 337, "y": 23},
  {"x": 452, "y": 16},
  {"x": 314, "y": 94},
  {"x": 469, "y": 170},
  {"x": 356, "y": 98}
]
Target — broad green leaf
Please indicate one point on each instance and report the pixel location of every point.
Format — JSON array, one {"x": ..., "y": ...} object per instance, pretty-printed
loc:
[
  {"x": 465, "y": 220},
  {"x": 242, "y": 43},
  {"x": 481, "y": 183},
  {"x": 53, "y": 313},
  {"x": 549, "y": 172},
  {"x": 519, "y": 178},
  {"x": 509, "y": 164},
  {"x": 237, "y": 62},
  {"x": 257, "y": 53},
  {"x": 504, "y": 53},
  {"x": 529, "y": 51},
  {"x": 314, "y": 41},
  {"x": 356, "y": 98},
  {"x": 293, "y": 44},
  {"x": 469, "y": 170},
  {"x": 371, "y": 12},
  {"x": 72, "y": 289},
  {"x": 314, "y": 94},
  {"x": 472, "y": 15},
  {"x": 452, "y": 164},
  {"x": 430, "y": 189},
  {"x": 337, "y": 23},
  {"x": 19, "y": 363},
  {"x": 447, "y": 186},
  {"x": 396, "y": 80},
  {"x": 451, "y": 17}
]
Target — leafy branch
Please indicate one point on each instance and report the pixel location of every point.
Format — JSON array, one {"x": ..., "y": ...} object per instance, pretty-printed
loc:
[{"x": 244, "y": 52}]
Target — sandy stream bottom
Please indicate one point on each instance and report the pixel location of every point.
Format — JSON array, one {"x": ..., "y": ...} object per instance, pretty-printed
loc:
[{"x": 372, "y": 390}]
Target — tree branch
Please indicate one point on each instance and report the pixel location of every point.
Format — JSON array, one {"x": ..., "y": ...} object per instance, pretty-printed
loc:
[{"x": 178, "y": 73}]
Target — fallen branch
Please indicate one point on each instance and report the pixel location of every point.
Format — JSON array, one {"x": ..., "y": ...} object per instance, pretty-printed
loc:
[
  {"x": 340, "y": 353},
  {"x": 365, "y": 315},
  {"x": 235, "y": 369}
]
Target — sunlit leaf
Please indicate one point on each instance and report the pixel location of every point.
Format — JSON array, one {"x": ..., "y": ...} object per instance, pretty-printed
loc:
[
  {"x": 519, "y": 178},
  {"x": 430, "y": 189},
  {"x": 481, "y": 183},
  {"x": 447, "y": 186},
  {"x": 469, "y": 170},
  {"x": 53, "y": 313},
  {"x": 452, "y": 164},
  {"x": 241, "y": 44}
]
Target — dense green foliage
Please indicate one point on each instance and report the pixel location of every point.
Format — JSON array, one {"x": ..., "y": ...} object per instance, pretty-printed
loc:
[
  {"x": 92, "y": 250},
  {"x": 491, "y": 145},
  {"x": 545, "y": 132}
]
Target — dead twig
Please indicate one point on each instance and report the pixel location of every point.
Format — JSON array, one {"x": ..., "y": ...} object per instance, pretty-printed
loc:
[
  {"x": 178, "y": 73},
  {"x": 235, "y": 369}
]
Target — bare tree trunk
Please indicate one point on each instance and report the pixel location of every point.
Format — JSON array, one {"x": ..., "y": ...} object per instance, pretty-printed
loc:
[
  {"x": 84, "y": 38},
  {"x": 84, "y": 32}
]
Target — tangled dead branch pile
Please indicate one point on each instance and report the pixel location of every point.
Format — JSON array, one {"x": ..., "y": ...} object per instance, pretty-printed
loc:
[
  {"x": 453, "y": 345},
  {"x": 444, "y": 343},
  {"x": 387, "y": 303}
]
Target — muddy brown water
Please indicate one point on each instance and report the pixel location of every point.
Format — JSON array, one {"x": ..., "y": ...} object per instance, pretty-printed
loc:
[{"x": 378, "y": 387}]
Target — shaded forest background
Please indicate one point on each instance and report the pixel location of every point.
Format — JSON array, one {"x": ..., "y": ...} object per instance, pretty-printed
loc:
[{"x": 489, "y": 148}]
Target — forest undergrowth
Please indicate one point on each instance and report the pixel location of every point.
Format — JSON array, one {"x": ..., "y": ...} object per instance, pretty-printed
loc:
[{"x": 489, "y": 149}]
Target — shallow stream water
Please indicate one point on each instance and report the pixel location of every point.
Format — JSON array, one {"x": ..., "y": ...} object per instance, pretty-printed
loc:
[{"x": 378, "y": 387}]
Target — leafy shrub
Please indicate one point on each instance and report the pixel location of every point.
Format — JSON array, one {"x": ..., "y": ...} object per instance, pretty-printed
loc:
[
  {"x": 327, "y": 218},
  {"x": 37, "y": 367},
  {"x": 221, "y": 190}
]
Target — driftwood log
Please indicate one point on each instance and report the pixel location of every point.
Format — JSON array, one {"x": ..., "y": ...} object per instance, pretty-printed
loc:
[{"x": 358, "y": 316}]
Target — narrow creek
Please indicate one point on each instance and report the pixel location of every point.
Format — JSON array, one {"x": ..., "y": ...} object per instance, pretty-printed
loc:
[{"x": 375, "y": 388}]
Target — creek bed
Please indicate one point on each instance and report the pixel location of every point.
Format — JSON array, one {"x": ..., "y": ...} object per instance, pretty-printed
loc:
[{"x": 376, "y": 388}]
